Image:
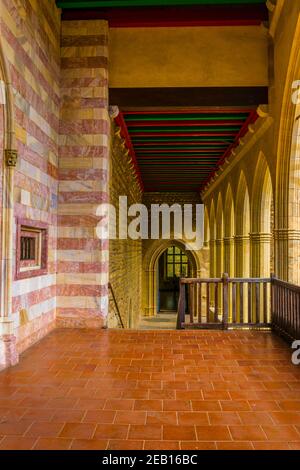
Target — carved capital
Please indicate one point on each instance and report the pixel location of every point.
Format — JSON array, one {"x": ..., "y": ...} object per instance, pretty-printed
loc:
[
  {"x": 11, "y": 158},
  {"x": 113, "y": 111}
]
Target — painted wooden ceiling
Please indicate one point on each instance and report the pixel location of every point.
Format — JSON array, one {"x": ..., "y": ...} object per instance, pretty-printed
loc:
[{"x": 181, "y": 150}]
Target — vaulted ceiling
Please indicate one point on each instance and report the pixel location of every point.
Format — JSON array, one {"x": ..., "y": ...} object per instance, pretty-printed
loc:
[{"x": 179, "y": 150}]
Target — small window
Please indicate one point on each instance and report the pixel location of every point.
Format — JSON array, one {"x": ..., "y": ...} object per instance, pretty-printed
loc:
[
  {"x": 28, "y": 248},
  {"x": 176, "y": 263},
  {"x": 31, "y": 249}
]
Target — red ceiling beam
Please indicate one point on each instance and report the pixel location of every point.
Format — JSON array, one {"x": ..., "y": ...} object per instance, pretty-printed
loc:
[
  {"x": 251, "y": 119},
  {"x": 220, "y": 122},
  {"x": 119, "y": 120},
  {"x": 201, "y": 15},
  {"x": 183, "y": 134},
  {"x": 211, "y": 110}
]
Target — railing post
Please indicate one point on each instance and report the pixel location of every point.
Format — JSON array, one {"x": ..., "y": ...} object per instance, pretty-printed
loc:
[
  {"x": 181, "y": 306},
  {"x": 225, "y": 278},
  {"x": 273, "y": 287}
]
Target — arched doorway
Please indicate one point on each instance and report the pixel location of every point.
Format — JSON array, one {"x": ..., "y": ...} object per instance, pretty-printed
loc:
[
  {"x": 173, "y": 264},
  {"x": 151, "y": 271}
]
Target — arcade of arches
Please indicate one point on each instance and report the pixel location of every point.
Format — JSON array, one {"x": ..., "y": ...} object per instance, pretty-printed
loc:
[{"x": 197, "y": 104}]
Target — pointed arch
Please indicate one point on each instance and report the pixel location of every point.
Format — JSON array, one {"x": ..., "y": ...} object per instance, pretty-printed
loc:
[
  {"x": 262, "y": 220},
  {"x": 219, "y": 218},
  {"x": 212, "y": 220},
  {"x": 287, "y": 204},
  {"x": 229, "y": 232},
  {"x": 206, "y": 227},
  {"x": 219, "y": 236},
  {"x": 229, "y": 213},
  {"x": 242, "y": 207},
  {"x": 242, "y": 241},
  {"x": 7, "y": 196},
  {"x": 212, "y": 242}
]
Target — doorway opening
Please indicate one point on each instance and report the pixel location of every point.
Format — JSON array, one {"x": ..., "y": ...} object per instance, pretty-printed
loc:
[{"x": 172, "y": 265}]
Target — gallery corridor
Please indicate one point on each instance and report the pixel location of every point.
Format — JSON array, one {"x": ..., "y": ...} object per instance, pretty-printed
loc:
[{"x": 152, "y": 390}]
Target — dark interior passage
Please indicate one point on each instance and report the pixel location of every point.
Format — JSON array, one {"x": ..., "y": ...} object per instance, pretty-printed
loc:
[{"x": 173, "y": 264}]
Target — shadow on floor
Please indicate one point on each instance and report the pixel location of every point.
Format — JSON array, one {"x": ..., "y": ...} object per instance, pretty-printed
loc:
[{"x": 164, "y": 320}]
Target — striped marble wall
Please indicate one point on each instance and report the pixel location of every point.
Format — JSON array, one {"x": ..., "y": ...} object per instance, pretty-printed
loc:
[
  {"x": 1, "y": 162},
  {"x": 30, "y": 35},
  {"x": 82, "y": 278}
]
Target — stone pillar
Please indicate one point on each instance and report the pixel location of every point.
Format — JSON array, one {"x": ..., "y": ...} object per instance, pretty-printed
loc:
[
  {"x": 229, "y": 256},
  {"x": 212, "y": 257},
  {"x": 260, "y": 249},
  {"x": 151, "y": 304},
  {"x": 287, "y": 255},
  {"x": 82, "y": 264},
  {"x": 219, "y": 257},
  {"x": 242, "y": 255},
  {"x": 8, "y": 349}
]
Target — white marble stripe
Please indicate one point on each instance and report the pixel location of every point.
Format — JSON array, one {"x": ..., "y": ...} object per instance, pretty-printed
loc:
[{"x": 25, "y": 286}]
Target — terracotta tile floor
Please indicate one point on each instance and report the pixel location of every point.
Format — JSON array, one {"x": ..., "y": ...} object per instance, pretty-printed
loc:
[{"x": 117, "y": 389}]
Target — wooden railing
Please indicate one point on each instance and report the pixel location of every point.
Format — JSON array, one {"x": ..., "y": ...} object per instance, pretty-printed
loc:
[
  {"x": 286, "y": 309},
  {"x": 119, "y": 317},
  {"x": 223, "y": 303}
]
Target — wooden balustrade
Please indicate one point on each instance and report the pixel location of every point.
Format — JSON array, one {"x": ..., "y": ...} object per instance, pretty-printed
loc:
[
  {"x": 223, "y": 303},
  {"x": 286, "y": 309}
]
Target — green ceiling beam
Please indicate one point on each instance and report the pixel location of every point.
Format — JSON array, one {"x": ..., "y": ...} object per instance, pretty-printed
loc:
[
  {"x": 186, "y": 130},
  {"x": 149, "y": 3}
]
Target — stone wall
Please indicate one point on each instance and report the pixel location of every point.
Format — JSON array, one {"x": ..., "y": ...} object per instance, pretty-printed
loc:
[
  {"x": 30, "y": 35},
  {"x": 125, "y": 262},
  {"x": 82, "y": 279}
]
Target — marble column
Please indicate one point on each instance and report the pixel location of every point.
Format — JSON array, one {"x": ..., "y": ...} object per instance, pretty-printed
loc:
[{"x": 8, "y": 348}]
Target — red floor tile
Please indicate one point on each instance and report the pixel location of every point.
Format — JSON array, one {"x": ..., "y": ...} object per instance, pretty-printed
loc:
[
  {"x": 17, "y": 443},
  {"x": 148, "y": 432},
  {"x": 181, "y": 433},
  {"x": 89, "y": 444},
  {"x": 111, "y": 431},
  {"x": 78, "y": 431},
  {"x": 161, "y": 417},
  {"x": 45, "y": 443},
  {"x": 44, "y": 429},
  {"x": 213, "y": 433}
]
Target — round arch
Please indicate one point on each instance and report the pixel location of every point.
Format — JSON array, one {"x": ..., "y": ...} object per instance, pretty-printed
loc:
[{"x": 150, "y": 264}]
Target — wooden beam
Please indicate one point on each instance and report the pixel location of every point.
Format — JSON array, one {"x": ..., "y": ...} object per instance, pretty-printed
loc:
[{"x": 213, "y": 96}]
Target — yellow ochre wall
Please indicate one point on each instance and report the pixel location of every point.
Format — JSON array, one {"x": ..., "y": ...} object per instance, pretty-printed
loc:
[{"x": 188, "y": 57}]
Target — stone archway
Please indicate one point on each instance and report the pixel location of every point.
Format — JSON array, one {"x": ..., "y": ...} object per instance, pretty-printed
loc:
[
  {"x": 150, "y": 271},
  {"x": 8, "y": 352},
  {"x": 287, "y": 206}
]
